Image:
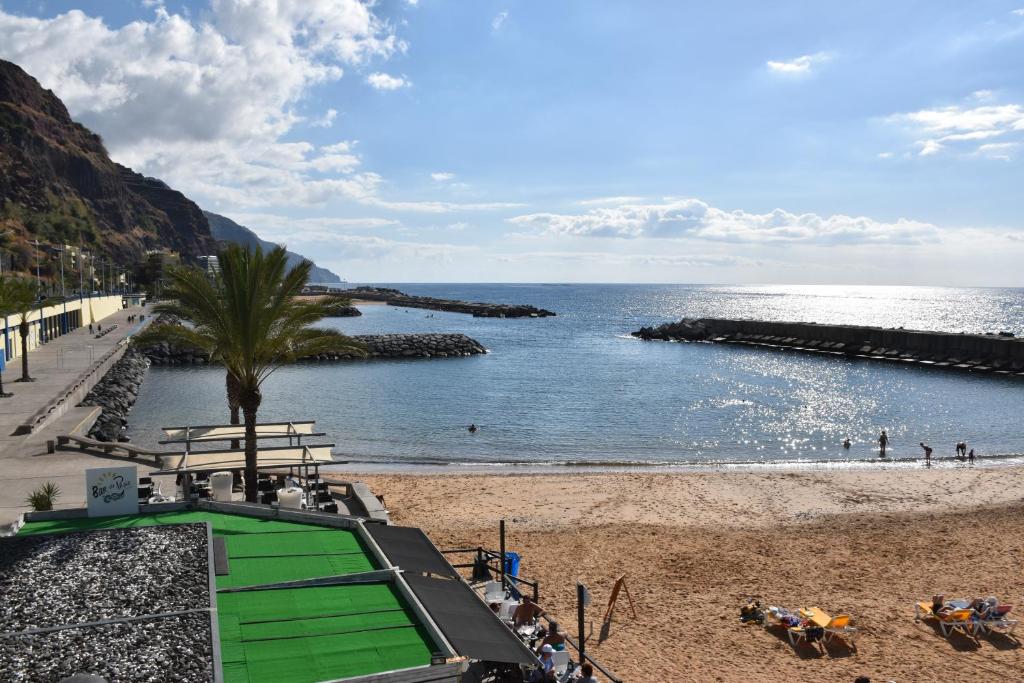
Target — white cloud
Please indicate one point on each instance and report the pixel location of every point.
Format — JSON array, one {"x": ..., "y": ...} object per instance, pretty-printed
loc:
[
  {"x": 959, "y": 127},
  {"x": 383, "y": 81},
  {"x": 327, "y": 120},
  {"x": 499, "y": 20},
  {"x": 442, "y": 176},
  {"x": 681, "y": 218},
  {"x": 438, "y": 206},
  {"x": 1018, "y": 12},
  {"x": 602, "y": 201},
  {"x": 1004, "y": 151},
  {"x": 205, "y": 105},
  {"x": 799, "y": 66},
  {"x": 885, "y": 155}
]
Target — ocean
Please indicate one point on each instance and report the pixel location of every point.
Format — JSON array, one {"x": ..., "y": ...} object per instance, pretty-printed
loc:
[{"x": 577, "y": 391}]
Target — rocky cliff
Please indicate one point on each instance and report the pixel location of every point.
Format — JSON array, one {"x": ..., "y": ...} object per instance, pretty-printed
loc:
[{"x": 59, "y": 185}]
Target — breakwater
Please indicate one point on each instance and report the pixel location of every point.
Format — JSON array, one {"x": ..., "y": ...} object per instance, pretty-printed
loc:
[
  {"x": 1000, "y": 353},
  {"x": 394, "y": 297},
  {"x": 116, "y": 394},
  {"x": 379, "y": 346}
]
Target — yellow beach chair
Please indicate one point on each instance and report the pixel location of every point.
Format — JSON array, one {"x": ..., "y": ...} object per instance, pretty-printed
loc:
[
  {"x": 955, "y": 620},
  {"x": 834, "y": 627}
]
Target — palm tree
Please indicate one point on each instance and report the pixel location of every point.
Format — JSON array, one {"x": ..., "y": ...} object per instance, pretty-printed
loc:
[
  {"x": 251, "y": 321},
  {"x": 20, "y": 296}
]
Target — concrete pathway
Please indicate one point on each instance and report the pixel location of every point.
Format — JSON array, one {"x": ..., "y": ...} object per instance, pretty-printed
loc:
[{"x": 57, "y": 365}]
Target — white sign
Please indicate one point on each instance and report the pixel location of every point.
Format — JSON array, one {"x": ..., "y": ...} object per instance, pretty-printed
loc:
[{"x": 112, "y": 491}]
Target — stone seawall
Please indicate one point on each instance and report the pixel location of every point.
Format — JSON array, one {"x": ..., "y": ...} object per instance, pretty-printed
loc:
[
  {"x": 116, "y": 394},
  {"x": 1000, "y": 353},
  {"x": 379, "y": 346}
]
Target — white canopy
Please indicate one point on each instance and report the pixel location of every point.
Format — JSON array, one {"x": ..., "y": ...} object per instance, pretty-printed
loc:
[
  {"x": 209, "y": 461},
  {"x": 264, "y": 430}
]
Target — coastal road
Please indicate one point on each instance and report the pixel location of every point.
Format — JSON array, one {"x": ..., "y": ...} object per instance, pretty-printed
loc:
[{"x": 56, "y": 366}]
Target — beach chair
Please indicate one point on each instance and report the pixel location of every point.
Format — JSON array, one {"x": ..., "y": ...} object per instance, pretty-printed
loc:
[
  {"x": 955, "y": 620},
  {"x": 834, "y": 627},
  {"x": 773, "y": 618},
  {"x": 996, "y": 621}
]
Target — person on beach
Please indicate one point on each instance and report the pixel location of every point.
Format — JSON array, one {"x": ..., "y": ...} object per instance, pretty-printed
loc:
[
  {"x": 527, "y": 613},
  {"x": 927, "y": 451},
  {"x": 970, "y": 457},
  {"x": 90, "y": 328},
  {"x": 883, "y": 443},
  {"x": 961, "y": 449}
]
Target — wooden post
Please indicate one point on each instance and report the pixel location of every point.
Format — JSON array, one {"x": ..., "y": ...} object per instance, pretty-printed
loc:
[
  {"x": 501, "y": 560},
  {"x": 580, "y": 609}
]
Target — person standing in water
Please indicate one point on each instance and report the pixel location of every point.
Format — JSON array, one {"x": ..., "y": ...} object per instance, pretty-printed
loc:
[
  {"x": 471, "y": 429},
  {"x": 970, "y": 457},
  {"x": 927, "y": 452},
  {"x": 846, "y": 443},
  {"x": 883, "y": 443}
]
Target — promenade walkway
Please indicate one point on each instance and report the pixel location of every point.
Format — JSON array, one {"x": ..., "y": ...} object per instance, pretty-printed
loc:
[{"x": 24, "y": 462}]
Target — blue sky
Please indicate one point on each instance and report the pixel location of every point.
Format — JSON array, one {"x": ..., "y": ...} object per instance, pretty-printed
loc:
[{"x": 569, "y": 141}]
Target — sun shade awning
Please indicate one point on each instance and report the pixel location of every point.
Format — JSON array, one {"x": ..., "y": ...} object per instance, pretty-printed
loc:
[
  {"x": 468, "y": 624},
  {"x": 264, "y": 430},
  {"x": 409, "y": 549},
  {"x": 211, "y": 461}
]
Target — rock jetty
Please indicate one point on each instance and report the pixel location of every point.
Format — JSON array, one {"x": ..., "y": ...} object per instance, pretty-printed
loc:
[
  {"x": 379, "y": 346},
  {"x": 393, "y": 297},
  {"x": 116, "y": 394},
  {"x": 1000, "y": 353}
]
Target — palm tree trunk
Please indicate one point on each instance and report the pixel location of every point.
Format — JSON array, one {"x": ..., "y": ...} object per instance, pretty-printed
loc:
[
  {"x": 250, "y": 400},
  {"x": 233, "y": 389},
  {"x": 23, "y": 329}
]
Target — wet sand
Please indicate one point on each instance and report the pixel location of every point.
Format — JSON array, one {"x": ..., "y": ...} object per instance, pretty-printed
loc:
[{"x": 695, "y": 546}]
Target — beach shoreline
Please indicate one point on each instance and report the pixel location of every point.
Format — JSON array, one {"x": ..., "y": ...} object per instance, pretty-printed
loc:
[{"x": 695, "y": 545}]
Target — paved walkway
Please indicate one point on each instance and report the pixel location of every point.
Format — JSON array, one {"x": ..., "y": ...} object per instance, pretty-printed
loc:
[{"x": 24, "y": 462}]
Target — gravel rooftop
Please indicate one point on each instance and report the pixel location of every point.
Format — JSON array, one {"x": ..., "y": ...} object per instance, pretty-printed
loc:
[{"x": 53, "y": 588}]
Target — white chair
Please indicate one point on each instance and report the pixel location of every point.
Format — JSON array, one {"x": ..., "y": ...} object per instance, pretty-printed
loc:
[
  {"x": 508, "y": 608},
  {"x": 494, "y": 592},
  {"x": 220, "y": 485},
  {"x": 290, "y": 497},
  {"x": 560, "y": 661}
]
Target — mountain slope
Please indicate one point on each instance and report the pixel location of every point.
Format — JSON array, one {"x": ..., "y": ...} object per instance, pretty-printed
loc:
[
  {"x": 59, "y": 185},
  {"x": 226, "y": 230}
]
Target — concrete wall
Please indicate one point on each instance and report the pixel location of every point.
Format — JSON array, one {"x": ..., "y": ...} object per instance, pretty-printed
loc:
[{"x": 53, "y": 321}]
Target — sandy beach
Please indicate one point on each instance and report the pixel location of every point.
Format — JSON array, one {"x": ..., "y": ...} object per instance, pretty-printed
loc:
[{"x": 695, "y": 546}]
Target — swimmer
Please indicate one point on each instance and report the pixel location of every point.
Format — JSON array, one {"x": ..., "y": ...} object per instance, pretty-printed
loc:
[
  {"x": 846, "y": 443},
  {"x": 471, "y": 428}
]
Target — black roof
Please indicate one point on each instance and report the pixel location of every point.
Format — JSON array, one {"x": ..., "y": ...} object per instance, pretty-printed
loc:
[
  {"x": 468, "y": 624},
  {"x": 409, "y": 549}
]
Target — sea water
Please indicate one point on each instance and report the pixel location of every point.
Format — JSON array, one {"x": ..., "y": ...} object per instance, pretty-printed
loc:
[{"x": 576, "y": 390}]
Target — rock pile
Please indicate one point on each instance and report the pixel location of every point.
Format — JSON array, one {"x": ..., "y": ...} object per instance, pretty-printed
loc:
[
  {"x": 1002, "y": 353},
  {"x": 379, "y": 346},
  {"x": 393, "y": 297},
  {"x": 116, "y": 394}
]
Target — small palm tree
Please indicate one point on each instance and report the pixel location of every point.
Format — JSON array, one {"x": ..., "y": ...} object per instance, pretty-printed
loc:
[
  {"x": 20, "y": 296},
  {"x": 252, "y": 322}
]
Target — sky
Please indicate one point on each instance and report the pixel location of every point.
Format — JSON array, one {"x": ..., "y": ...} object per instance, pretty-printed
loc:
[{"x": 569, "y": 140}]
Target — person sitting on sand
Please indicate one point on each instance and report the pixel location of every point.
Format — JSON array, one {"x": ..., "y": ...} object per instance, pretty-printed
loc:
[
  {"x": 527, "y": 613},
  {"x": 587, "y": 673},
  {"x": 883, "y": 443},
  {"x": 927, "y": 451},
  {"x": 554, "y": 638}
]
